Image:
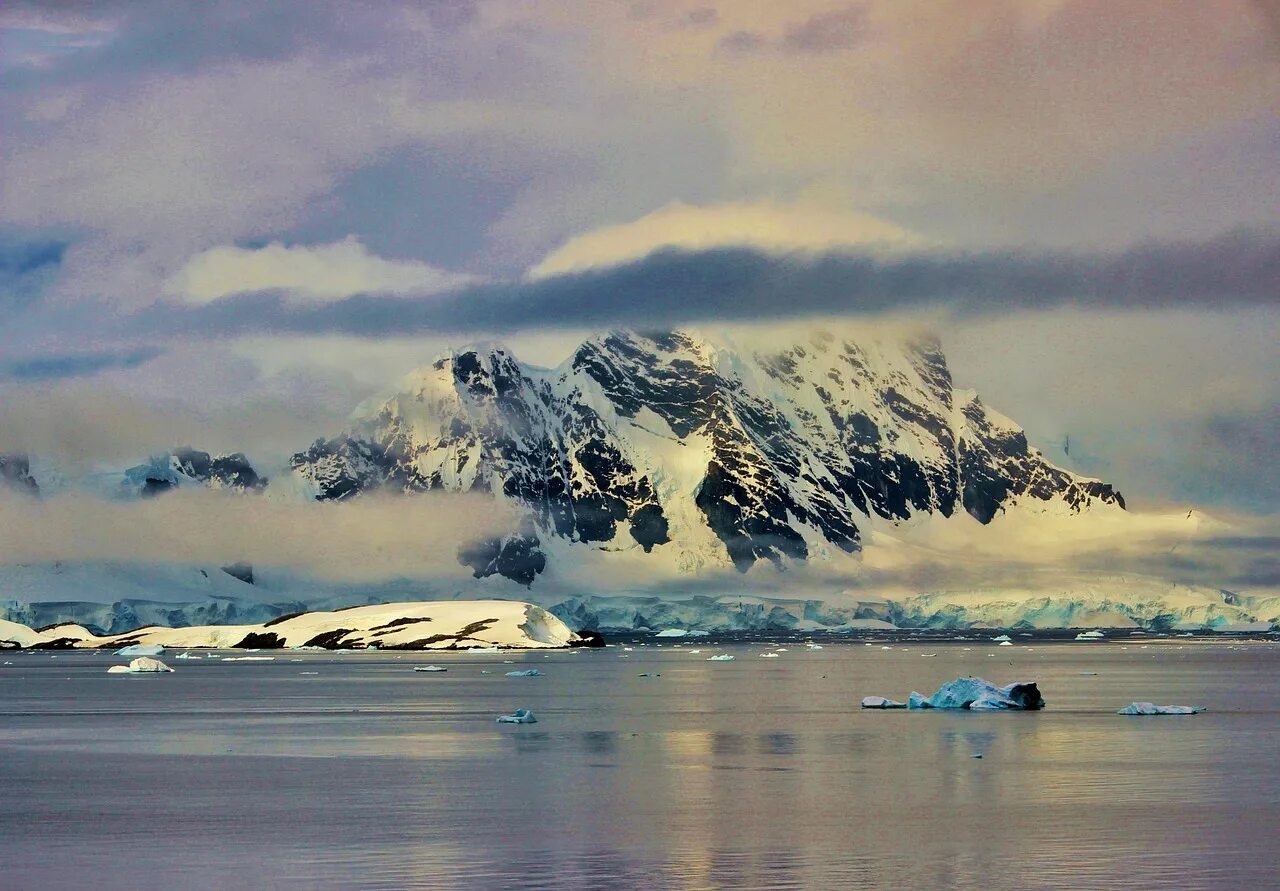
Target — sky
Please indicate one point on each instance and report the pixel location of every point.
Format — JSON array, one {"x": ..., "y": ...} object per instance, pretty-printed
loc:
[{"x": 226, "y": 223}]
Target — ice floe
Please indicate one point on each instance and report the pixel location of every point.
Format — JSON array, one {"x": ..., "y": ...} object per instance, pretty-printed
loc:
[
  {"x": 527, "y": 673},
  {"x": 975, "y": 694},
  {"x": 429, "y": 668},
  {"x": 723, "y": 657},
  {"x": 141, "y": 665},
  {"x": 519, "y": 716},
  {"x": 881, "y": 702},
  {"x": 139, "y": 650},
  {"x": 1090, "y": 635},
  {"x": 1149, "y": 708}
]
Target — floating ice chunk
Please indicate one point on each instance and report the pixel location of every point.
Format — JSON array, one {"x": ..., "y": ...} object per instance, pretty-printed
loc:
[
  {"x": 1148, "y": 708},
  {"x": 1090, "y": 635},
  {"x": 429, "y": 668},
  {"x": 143, "y": 665},
  {"x": 979, "y": 695},
  {"x": 1002, "y": 638},
  {"x": 881, "y": 702},
  {"x": 723, "y": 657},
  {"x": 249, "y": 659},
  {"x": 527, "y": 673},
  {"x": 485, "y": 650},
  {"x": 814, "y": 646},
  {"x": 1006, "y": 643},
  {"x": 694, "y": 652},
  {"x": 768, "y": 655},
  {"x": 140, "y": 650},
  {"x": 672, "y": 632},
  {"x": 519, "y": 716},
  {"x": 186, "y": 655}
]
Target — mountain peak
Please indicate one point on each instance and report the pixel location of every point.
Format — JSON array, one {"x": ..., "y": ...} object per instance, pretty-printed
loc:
[{"x": 731, "y": 449}]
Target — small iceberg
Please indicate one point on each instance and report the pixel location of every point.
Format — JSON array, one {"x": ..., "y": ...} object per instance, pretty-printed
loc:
[
  {"x": 1005, "y": 643},
  {"x": 186, "y": 655},
  {"x": 723, "y": 657},
  {"x": 527, "y": 673},
  {"x": 977, "y": 695},
  {"x": 1149, "y": 708},
  {"x": 429, "y": 668},
  {"x": 1002, "y": 638},
  {"x": 139, "y": 650},
  {"x": 881, "y": 702},
  {"x": 143, "y": 665},
  {"x": 672, "y": 632},
  {"x": 814, "y": 646},
  {"x": 768, "y": 655},
  {"x": 249, "y": 659},
  {"x": 1090, "y": 635},
  {"x": 520, "y": 716}
]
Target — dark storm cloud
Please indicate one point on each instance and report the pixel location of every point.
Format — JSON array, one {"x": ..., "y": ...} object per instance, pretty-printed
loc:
[
  {"x": 43, "y": 368},
  {"x": 739, "y": 284},
  {"x": 27, "y": 267}
]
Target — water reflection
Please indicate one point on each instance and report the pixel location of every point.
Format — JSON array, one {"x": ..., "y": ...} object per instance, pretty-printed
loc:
[{"x": 371, "y": 780}]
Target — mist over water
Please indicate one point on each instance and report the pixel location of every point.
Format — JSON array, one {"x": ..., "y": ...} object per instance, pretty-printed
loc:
[{"x": 755, "y": 773}]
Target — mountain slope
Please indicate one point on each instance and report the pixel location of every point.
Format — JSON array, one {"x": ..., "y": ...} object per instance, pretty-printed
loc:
[{"x": 700, "y": 449}]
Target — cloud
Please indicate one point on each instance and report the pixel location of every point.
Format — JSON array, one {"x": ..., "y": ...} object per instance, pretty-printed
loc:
[
  {"x": 826, "y": 32},
  {"x": 367, "y": 538},
  {"x": 53, "y": 367},
  {"x": 670, "y": 287},
  {"x": 27, "y": 268},
  {"x": 317, "y": 273},
  {"x": 768, "y": 225}
]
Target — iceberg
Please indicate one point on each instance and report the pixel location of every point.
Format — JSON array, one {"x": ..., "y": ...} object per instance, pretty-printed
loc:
[
  {"x": 142, "y": 665},
  {"x": 429, "y": 668},
  {"x": 520, "y": 716},
  {"x": 977, "y": 694},
  {"x": 1090, "y": 635},
  {"x": 671, "y": 632},
  {"x": 768, "y": 655},
  {"x": 527, "y": 673},
  {"x": 1002, "y": 638},
  {"x": 881, "y": 702},
  {"x": 1148, "y": 708},
  {"x": 140, "y": 650},
  {"x": 1005, "y": 643},
  {"x": 723, "y": 657}
]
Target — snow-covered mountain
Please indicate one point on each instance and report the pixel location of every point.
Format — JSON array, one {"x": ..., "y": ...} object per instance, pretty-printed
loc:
[{"x": 698, "y": 450}]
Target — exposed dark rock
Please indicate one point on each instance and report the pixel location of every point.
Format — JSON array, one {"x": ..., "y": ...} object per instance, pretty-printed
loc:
[
  {"x": 330, "y": 640},
  {"x": 15, "y": 473},
  {"x": 242, "y": 571},
  {"x": 260, "y": 640},
  {"x": 587, "y": 638}
]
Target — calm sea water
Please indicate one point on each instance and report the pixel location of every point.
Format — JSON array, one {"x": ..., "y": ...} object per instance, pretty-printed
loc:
[{"x": 352, "y": 771}]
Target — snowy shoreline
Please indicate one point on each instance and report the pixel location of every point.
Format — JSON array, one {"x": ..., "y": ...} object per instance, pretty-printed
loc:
[{"x": 431, "y": 625}]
